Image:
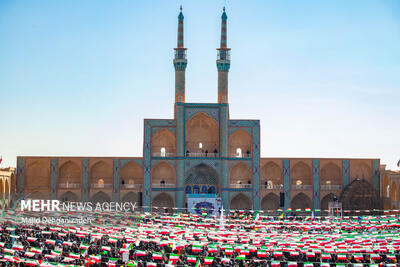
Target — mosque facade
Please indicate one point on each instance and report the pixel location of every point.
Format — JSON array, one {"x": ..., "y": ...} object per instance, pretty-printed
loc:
[{"x": 203, "y": 151}]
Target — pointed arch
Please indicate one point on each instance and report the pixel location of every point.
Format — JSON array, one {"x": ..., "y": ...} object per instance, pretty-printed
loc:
[
  {"x": 270, "y": 202},
  {"x": 331, "y": 174},
  {"x": 202, "y": 174},
  {"x": 38, "y": 175},
  {"x": 301, "y": 201},
  {"x": 163, "y": 139},
  {"x": 100, "y": 197},
  {"x": 201, "y": 128},
  {"x": 161, "y": 201},
  {"x": 131, "y": 173},
  {"x": 241, "y": 202},
  {"x": 386, "y": 187},
  {"x": 360, "y": 170},
  {"x": 242, "y": 140},
  {"x": 271, "y": 175},
  {"x": 101, "y": 171},
  {"x": 240, "y": 174},
  {"x": 164, "y": 173},
  {"x": 301, "y": 172},
  {"x": 69, "y": 196},
  {"x": 130, "y": 197},
  {"x": 69, "y": 175},
  {"x": 325, "y": 201}
]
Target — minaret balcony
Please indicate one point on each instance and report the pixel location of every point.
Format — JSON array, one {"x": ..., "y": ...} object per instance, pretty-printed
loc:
[
  {"x": 180, "y": 54},
  {"x": 223, "y": 54}
]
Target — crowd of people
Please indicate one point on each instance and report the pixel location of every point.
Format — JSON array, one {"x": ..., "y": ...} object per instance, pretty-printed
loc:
[{"x": 236, "y": 239}]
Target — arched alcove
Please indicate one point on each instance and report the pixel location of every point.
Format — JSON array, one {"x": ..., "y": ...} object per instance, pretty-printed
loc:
[
  {"x": 270, "y": 202},
  {"x": 241, "y": 202},
  {"x": 203, "y": 129},
  {"x": 162, "y": 201},
  {"x": 37, "y": 176},
  {"x": 69, "y": 176},
  {"x": 131, "y": 175},
  {"x": 331, "y": 177},
  {"x": 271, "y": 176},
  {"x": 300, "y": 201},
  {"x": 239, "y": 175},
  {"x": 163, "y": 141},
  {"x": 303, "y": 173},
  {"x": 101, "y": 175},
  {"x": 69, "y": 196},
  {"x": 360, "y": 195},
  {"x": 100, "y": 197},
  {"x": 242, "y": 140},
  {"x": 360, "y": 170},
  {"x": 163, "y": 173}
]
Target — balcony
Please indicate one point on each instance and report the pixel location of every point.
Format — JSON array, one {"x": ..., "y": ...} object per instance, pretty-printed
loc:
[
  {"x": 163, "y": 155},
  {"x": 69, "y": 186},
  {"x": 273, "y": 187},
  {"x": 241, "y": 186},
  {"x": 330, "y": 187},
  {"x": 202, "y": 155},
  {"x": 101, "y": 186},
  {"x": 301, "y": 187},
  {"x": 164, "y": 185},
  {"x": 244, "y": 155},
  {"x": 131, "y": 186}
]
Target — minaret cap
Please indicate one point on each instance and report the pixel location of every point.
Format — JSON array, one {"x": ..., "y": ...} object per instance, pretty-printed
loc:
[
  {"x": 180, "y": 17},
  {"x": 224, "y": 17}
]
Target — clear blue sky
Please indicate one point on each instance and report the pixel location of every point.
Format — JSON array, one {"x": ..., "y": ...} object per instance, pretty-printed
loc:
[{"x": 79, "y": 77}]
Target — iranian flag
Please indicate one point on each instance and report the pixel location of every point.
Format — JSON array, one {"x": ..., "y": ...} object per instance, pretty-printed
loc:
[
  {"x": 50, "y": 241},
  {"x": 261, "y": 253},
  {"x": 95, "y": 258},
  {"x": 375, "y": 256},
  {"x": 292, "y": 264},
  {"x": 225, "y": 260},
  {"x": 191, "y": 259},
  {"x": 275, "y": 263},
  {"x": 84, "y": 246},
  {"x": 74, "y": 255},
  {"x": 18, "y": 247},
  {"x": 66, "y": 243},
  {"x": 157, "y": 256},
  {"x": 325, "y": 256},
  {"x": 358, "y": 256},
  {"x": 113, "y": 240},
  {"x": 212, "y": 249},
  {"x": 11, "y": 258},
  {"x": 9, "y": 251},
  {"x": 106, "y": 248},
  {"x": 241, "y": 257},
  {"x": 36, "y": 250},
  {"x": 208, "y": 260},
  {"x": 278, "y": 254},
  {"x": 31, "y": 239},
  {"x": 228, "y": 251},
  {"x": 28, "y": 262},
  {"x": 173, "y": 257},
  {"x": 151, "y": 264},
  {"x": 140, "y": 253},
  {"x": 29, "y": 254},
  {"x": 308, "y": 264},
  {"x": 55, "y": 253},
  {"x": 196, "y": 248},
  {"x": 342, "y": 257},
  {"x": 2, "y": 244}
]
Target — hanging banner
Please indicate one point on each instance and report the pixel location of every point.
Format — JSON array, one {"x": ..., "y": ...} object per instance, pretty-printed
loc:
[{"x": 204, "y": 204}]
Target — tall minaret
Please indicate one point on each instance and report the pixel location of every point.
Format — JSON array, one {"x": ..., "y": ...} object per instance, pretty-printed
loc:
[
  {"x": 223, "y": 62},
  {"x": 180, "y": 63}
]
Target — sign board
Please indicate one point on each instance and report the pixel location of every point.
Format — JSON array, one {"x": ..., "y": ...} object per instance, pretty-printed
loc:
[{"x": 200, "y": 203}]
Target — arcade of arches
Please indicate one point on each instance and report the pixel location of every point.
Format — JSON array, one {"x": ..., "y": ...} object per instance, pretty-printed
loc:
[{"x": 203, "y": 178}]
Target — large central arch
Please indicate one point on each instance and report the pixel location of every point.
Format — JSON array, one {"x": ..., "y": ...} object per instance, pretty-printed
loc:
[{"x": 201, "y": 179}]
